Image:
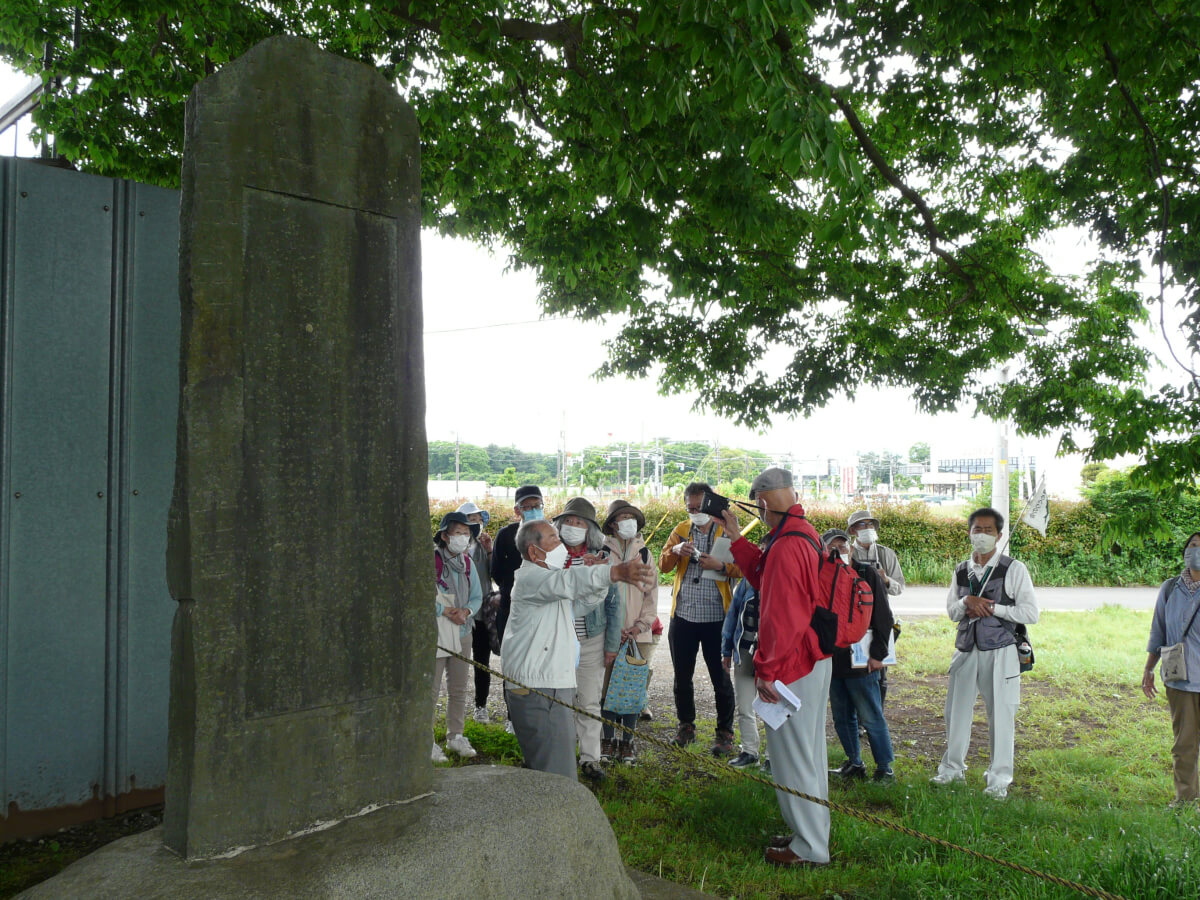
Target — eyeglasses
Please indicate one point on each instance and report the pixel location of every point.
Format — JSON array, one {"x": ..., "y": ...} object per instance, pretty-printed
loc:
[{"x": 529, "y": 507}]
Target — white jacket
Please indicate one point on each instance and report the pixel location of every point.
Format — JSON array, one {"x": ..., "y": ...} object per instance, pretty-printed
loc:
[{"x": 539, "y": 639}]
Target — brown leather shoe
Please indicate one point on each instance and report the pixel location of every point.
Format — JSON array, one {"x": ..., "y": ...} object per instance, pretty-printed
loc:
[
  {"x": 782, "y": 856},
  {"x": 780, "y": 840}
]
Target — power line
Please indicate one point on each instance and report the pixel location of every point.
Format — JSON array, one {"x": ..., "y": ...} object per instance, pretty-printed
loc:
[{"x": 494, "y": 325}]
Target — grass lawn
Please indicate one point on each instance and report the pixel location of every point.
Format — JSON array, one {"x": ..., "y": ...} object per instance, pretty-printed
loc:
[{"x": 1093, "y": 778}]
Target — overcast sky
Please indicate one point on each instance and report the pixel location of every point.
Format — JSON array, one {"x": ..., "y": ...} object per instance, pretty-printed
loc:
[{"x": 483, "y": 331}]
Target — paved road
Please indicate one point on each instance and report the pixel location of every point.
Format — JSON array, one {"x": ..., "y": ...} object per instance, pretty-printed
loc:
[{"x": 923, "y": 600}]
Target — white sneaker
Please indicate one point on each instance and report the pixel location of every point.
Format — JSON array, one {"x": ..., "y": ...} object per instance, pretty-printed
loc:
[
  {"x": 460, "y": 745},
  {"x": 438, "y": 756},
  {"x": 481, "y": 715},
  {"x": 947, "y": 777},
  {"x": 508, "y": 729},
  {"x": 996, "y": 793}
]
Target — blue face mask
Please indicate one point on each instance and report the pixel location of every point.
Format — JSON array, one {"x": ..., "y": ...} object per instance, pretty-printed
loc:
[{"x": 532, "y": 515}]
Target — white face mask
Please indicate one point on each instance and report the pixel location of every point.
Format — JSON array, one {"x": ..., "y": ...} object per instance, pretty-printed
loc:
[
  {"x": 845, "y": 558},
  {"x": 983, "y": 543},
  {"x": 699, "y": 519},
  {"x": 627, "y": 529},
  {"x": 572, "y": 535},
  {"x": 1191, "y": 556},
  {"x": 867, "y": 537},
  {"x": 457, "y": 543},
  {"x": 556, "y": 557}
]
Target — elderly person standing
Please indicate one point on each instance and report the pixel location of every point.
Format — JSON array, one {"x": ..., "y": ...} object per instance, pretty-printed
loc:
[
  {"x": 1174, "y": 623},
  {"x": 785, "y": 574},
  {"x": 481, "y": 644},
  {"x": 700, "y": 599},
  {"x": 540, "y": 642},
  {"x": 599, "y": 632},
  {"x": 623, "y": 523},
  {"x": 458, "y": 597},
  {"x": 990, "y": 596},
  {"x": 863, "y": 529}
]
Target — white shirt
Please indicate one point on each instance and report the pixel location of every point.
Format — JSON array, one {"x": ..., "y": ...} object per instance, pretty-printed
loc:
[
  {"x": 539, "y": 639},
  {"x": 1017, "y": 584}
]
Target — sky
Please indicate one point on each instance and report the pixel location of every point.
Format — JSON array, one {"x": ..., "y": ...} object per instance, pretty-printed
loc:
[{"x": 483, "y": 326}]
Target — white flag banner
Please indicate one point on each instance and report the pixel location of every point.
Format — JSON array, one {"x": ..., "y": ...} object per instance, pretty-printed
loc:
[{"x": 1037, "y": 511}]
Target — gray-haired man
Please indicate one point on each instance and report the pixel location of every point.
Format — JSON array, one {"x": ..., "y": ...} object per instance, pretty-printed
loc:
[{"x": 540, "y": 643}]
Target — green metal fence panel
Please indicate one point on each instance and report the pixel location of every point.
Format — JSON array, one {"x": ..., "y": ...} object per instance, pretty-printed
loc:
[{"x": 89, "y": 323}]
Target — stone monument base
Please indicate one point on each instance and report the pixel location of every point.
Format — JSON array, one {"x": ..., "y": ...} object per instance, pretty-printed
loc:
[{"x": 494, "y": 832}]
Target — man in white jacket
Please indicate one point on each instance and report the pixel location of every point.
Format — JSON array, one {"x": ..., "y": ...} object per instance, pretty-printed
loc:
[{"x": 540, "y": 647}]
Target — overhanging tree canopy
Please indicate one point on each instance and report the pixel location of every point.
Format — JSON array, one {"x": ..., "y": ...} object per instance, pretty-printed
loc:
[{"x": 785, "y": 200}]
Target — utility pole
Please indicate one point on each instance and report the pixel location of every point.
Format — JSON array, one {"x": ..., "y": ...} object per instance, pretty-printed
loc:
[
  {"x": 456, "y": 464},
  {"x": 627, "y": 469},
  {"x": 891, "y": 474},
  {"x": 718, "y": 461},
  {"x": 1000, "y": 465}
]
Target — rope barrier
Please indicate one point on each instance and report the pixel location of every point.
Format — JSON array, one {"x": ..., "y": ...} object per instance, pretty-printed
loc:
[{"x": 870, "y": 818}]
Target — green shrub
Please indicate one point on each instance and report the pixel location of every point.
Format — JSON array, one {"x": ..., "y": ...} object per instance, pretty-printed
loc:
[{"x": 929, "y": 544}]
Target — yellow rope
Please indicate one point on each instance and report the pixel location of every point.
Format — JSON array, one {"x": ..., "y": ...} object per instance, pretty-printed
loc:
[{"x": 725, "y": 768}]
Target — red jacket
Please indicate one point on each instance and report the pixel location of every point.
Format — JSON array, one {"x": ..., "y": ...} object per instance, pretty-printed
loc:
[{"x": 786, "y": 581}]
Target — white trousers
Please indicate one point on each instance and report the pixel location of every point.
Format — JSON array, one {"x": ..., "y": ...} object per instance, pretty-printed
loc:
[
  {"x": 800, "y": 760},
  {"x": 996, "y": 674},
  {"x": 589, "y": 688},
  {"x": 744, "y": 692}
]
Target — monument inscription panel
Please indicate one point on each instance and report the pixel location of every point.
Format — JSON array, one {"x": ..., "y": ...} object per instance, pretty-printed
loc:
[{"x": 298, "y": 542}]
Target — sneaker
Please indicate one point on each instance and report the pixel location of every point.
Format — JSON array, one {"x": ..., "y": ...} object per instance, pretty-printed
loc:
[
  {"x": 722, "y": 744},
  {"x": 592, "y": 771},
  {"x": 849, "y": 770},
  {"x": 481, "y": 715},
  {"x": 996, "y": 793},
  {"x": 626, "y": 753},
  {"x": 947, "y": 777},
  {"x": 743, "y": 759},
  {"x": 765, "y": 768},
  {"x": 684, "y": 735},
  {"x": 647, "y": 715},
  {"x": 438, "y": 755},
  {"x": 607, "y": 749},
  {"x": 508, "y": 729},
  {"x": 884, "y": 775},
  {"x": 460, "y": 745}
]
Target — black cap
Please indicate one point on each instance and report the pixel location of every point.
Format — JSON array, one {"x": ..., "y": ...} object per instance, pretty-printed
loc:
[{"x": 528, "y": 490}]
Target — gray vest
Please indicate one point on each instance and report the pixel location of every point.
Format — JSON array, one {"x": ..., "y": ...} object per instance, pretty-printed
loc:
[{"x": 987, "y": 633}]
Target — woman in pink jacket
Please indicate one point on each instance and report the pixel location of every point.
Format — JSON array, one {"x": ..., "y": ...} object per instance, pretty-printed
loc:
[{"x": 623, "y": 526}]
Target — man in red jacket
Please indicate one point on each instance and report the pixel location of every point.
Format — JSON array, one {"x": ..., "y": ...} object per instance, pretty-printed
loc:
[{"x": 785, "y": 576}]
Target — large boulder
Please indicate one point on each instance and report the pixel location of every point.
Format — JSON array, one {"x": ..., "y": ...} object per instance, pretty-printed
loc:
[{"x": 492, "y": 832}]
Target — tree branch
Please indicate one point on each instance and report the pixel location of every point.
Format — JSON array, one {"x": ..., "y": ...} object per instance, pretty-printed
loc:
[
  {"x": 932, "y": 232},
  {"x": 1151, "y": 142}
]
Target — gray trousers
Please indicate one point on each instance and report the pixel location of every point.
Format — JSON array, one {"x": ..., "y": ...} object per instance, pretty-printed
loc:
[
  {"x": 800, "y": 760},
  {"x": 745, "y": 692},
  {"x": 996, "y": 674},
  {"x": 545, "y": 730}
]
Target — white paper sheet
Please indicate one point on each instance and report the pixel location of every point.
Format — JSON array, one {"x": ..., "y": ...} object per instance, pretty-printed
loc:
[{"x": 775, "y": 714}]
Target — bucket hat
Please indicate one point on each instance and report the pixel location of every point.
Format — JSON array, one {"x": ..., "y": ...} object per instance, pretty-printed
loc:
[
  {"x": 469, "y": 508},
  {"x": 616, "y": 508},
  {"x": 861, "y": 515},
  {"x": 451, "y": 518},
  {"x": 578, "y": 506}
]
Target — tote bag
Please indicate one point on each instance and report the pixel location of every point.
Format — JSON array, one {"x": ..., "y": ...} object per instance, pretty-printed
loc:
[{"x": 630, "y": 678}]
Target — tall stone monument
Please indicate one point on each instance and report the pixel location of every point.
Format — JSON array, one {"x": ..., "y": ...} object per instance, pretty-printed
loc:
[
  {"x": 298, "y": 536},
  {"x": 299, "y": 548}
]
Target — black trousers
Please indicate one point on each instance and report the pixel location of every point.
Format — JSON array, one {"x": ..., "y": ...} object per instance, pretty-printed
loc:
[
  {"x": 687, "y": 639},
  {"x": 481, "y": 649}
]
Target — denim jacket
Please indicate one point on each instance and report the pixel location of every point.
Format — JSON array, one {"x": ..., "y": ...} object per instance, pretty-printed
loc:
[{"x": 607, "y": 618}]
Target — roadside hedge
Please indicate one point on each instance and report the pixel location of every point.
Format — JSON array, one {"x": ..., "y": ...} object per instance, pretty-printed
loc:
[{"x": 930, "y": 543}]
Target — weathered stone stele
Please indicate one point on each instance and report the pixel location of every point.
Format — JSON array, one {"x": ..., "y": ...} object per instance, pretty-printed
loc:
[{"x": 298, "y": 537}]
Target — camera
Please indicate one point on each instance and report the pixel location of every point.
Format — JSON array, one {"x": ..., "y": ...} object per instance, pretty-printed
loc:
[{"x": 713, "y": 504}]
